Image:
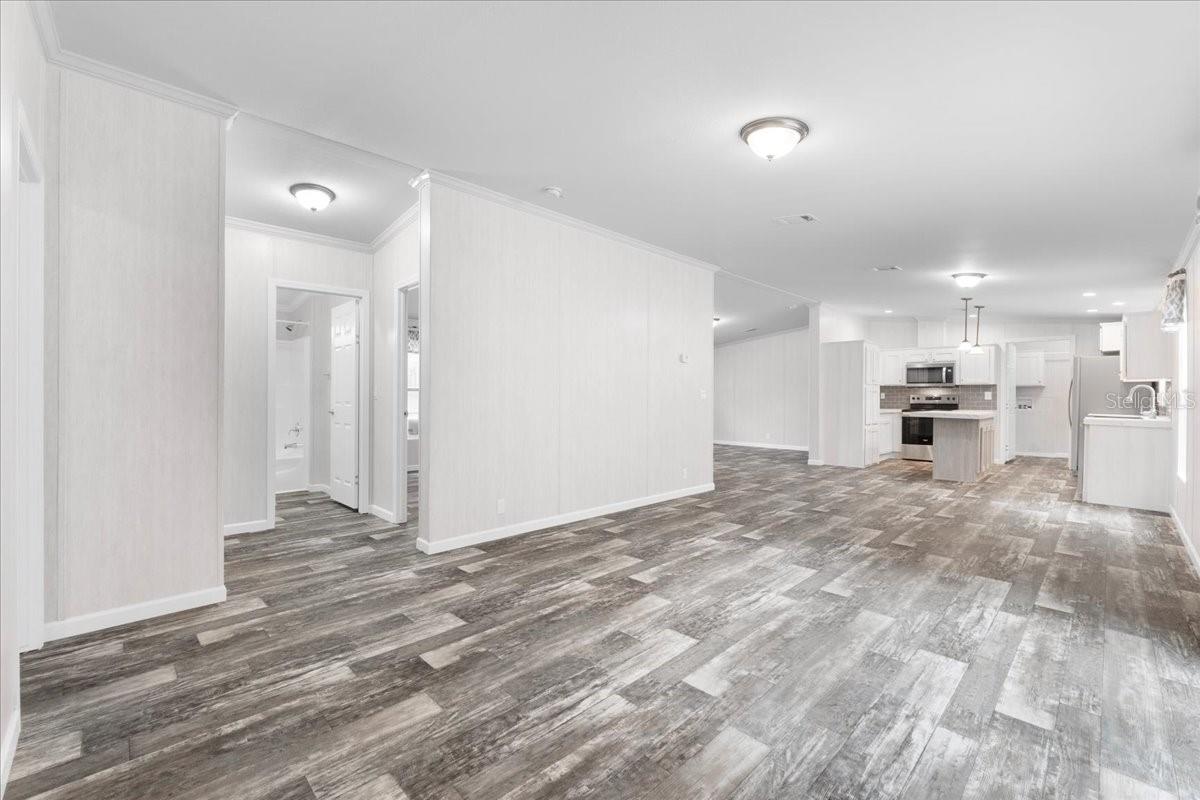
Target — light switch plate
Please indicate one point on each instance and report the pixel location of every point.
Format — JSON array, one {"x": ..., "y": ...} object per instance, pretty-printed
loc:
[{"x": 987, "y": 395}]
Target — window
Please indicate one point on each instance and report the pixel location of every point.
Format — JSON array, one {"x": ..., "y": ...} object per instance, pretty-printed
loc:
[{"x": 413, "y": 404}]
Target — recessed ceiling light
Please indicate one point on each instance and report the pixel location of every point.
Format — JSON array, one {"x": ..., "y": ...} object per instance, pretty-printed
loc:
[
  {"x": 312, "y": 196},
  {"x": 750, "y": 330},
  {"x": 968, "y": 280},
  {"x": 793, "y": 307},
  {"x": 554, "y": 191},
  {"x": 1093, "y": 311},
  {"x": 888, "y": 268},
  {"x": 1089, "y": 294},
  {"x": 1118, "y": 302},
  {"x": 773, "y": 137},
  {"x": 887, "y": 311}
]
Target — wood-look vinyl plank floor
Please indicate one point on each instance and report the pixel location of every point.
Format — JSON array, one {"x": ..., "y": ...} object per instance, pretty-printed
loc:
[{"x": 800, "y": 632}]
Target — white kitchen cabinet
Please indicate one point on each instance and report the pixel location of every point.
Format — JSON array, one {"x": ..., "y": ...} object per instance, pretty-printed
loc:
[
  {"x": 1123, "y": 463},
  {"x": 871, "y": 404},
  {"x": 1031, "y": 369},
  {"x": 945, "y": 355},
  {"x": 890, "y": 430},
  {"x": 891, "y": 369},
  {"x": 897, "y": 432},
  {"x": 1111, "y": 334},
  {"x": 979, "y": 369},
  {"x": 872, "y": 365},
  {"x": 1147, "y": 351},
  {"x": 871, "y": 444}
]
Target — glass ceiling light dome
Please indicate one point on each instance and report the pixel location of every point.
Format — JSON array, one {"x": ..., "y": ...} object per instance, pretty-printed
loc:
[
  {"x": 968, "y": 280},
  {"x": 312, "y": 196},
  {"x": 773, "y": 137}
]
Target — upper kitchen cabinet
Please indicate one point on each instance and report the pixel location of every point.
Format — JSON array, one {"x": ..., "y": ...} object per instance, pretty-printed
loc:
[
  {"x": 1147, "y": 351},
  {"x": 1111, "y": 334},
  {"x": 979, "y": 369},
  {"x": 891, "y": 369},
  {"x": 1031, "y": 369}
]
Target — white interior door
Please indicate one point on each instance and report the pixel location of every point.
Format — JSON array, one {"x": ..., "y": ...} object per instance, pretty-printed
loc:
[{"x": 343, "y": 397}]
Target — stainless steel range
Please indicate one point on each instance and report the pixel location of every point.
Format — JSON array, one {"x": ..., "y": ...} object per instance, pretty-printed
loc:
[{"x": 916, "y": 437}]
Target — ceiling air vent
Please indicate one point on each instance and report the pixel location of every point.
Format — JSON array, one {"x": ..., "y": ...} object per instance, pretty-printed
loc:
[{"x": 795, "y": 219}]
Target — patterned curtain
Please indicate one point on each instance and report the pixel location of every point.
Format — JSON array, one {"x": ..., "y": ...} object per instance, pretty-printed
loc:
[
  {"x": 1174, "y": 307},
  {"x": 414, "y": 339}
]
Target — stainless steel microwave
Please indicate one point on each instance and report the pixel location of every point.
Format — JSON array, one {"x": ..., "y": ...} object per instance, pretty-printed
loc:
[{"x": 929, "y": 374}]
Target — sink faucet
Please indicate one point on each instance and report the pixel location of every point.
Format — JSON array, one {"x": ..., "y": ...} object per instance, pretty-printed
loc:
[{"x": 1152, "y": 412}]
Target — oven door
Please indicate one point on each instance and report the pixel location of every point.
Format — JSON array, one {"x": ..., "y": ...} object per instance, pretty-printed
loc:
[{"x": 916, "y": 438}]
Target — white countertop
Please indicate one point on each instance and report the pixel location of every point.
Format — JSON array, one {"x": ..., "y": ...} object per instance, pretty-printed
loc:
[
  {"x": 1127, "y": 422},
  {"x": 952, "y": 414},
  {"x": 890, "y": 410}
]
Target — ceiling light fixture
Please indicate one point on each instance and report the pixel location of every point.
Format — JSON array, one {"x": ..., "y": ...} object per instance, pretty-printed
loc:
[
  {"x": 968, "y": 280},
  {"x": 887, "y": 311},
  {"x": 965, "y": 344},
  {"x": 312, "y": 196},
  {"x": 977, "y": 348},
  {"x": 715, "y": 321},
  {"x": 888, "y": 268},
  {"x": 1118, "y": 302},
  {"x": 773, "y": 137},
  {"x": 1089, "y": 294},
  {"x": 1093, "y": 311}
]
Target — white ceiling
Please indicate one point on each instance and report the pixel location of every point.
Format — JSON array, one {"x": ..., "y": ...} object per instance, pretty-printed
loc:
[
  {"x": 1055, "y": 146},
  {"x": 747, "y": 310},
  {"x": 265, "y": 159}
]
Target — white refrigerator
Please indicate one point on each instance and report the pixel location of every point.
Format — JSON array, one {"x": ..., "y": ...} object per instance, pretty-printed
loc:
[{"x": 1096, "y": 380}]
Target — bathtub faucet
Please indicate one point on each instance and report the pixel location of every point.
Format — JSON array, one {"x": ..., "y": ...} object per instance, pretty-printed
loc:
[
  {"x": 290, "y": 445},
  {"x": 296, "y": 430}
]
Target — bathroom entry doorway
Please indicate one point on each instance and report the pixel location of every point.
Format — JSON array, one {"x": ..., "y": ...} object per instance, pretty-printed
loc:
[{"x": 316, "y": 381}]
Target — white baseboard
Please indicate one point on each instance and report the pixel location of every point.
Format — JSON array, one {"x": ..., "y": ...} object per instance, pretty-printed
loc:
[
  {"x": 317, "y": 487},
  {"x": 816, "y": 462},
  {"x": 800, "y": 447},
  {"x": 383, "y": 514},
  {"x": 9, "y": 745},
  {"x": 469, "y": 539},
  {"x": 99, "y": 620},
  {"x": 253, "y": 526},
  {"x": 1188, "y": 544},
  {"x": 1044, "y": 455}
]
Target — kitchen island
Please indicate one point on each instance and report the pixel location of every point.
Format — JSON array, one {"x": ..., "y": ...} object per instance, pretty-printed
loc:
[{"x": 963, "y": 443}]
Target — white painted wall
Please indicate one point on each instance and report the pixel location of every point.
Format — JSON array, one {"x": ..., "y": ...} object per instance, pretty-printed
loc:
[
  {"x": 252, "y": 258},
  {"x": 397, "y": 262},
  {"x": 551, "y": 372},
  {"x": 22, "y": 76},
  {"x": 839, "y": 325},
  {"x": 134, "y": 276},
  {"x": 1185, "y": 503},
  {"x": 760, "y": 390}
]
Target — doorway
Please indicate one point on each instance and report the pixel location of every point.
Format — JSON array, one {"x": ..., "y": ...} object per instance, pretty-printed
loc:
[
  {"x": 407, "y": 392},
  {"x": 318, "y": 374}
]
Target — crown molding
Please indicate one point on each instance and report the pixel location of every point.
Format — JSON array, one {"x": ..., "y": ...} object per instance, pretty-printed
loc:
[
  {"x": 292, "y": 233},
  {"x": 52, "y": 49},
  {"x": 440, "y": 179},
  {"x": 1189, "y": 244},
  {"x": 401, "y": 222}
]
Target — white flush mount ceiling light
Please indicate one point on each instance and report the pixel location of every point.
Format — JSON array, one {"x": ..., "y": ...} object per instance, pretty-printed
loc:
[
  {"x": 715, "y": 321},
  {"x": 1093, "y": 311},
  {"x": 968, "y": 280},
  {"x": 312, "y": 196},
  {"x": 887, "y": 311},
  {"x": 1089, "y": 294},
  {"x": 773, "y": 137}
]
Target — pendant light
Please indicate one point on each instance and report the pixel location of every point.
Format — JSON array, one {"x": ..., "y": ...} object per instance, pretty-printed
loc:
[
  {"x": 965, "y": 344},
  {"x": 977, "y": 348}
]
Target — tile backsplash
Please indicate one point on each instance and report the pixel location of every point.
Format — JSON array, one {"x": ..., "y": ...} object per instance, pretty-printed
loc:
[{"x": 970, "y": 398}]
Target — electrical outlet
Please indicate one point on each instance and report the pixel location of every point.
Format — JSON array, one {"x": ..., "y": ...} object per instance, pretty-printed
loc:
[{"x": 500, "y": 506}]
